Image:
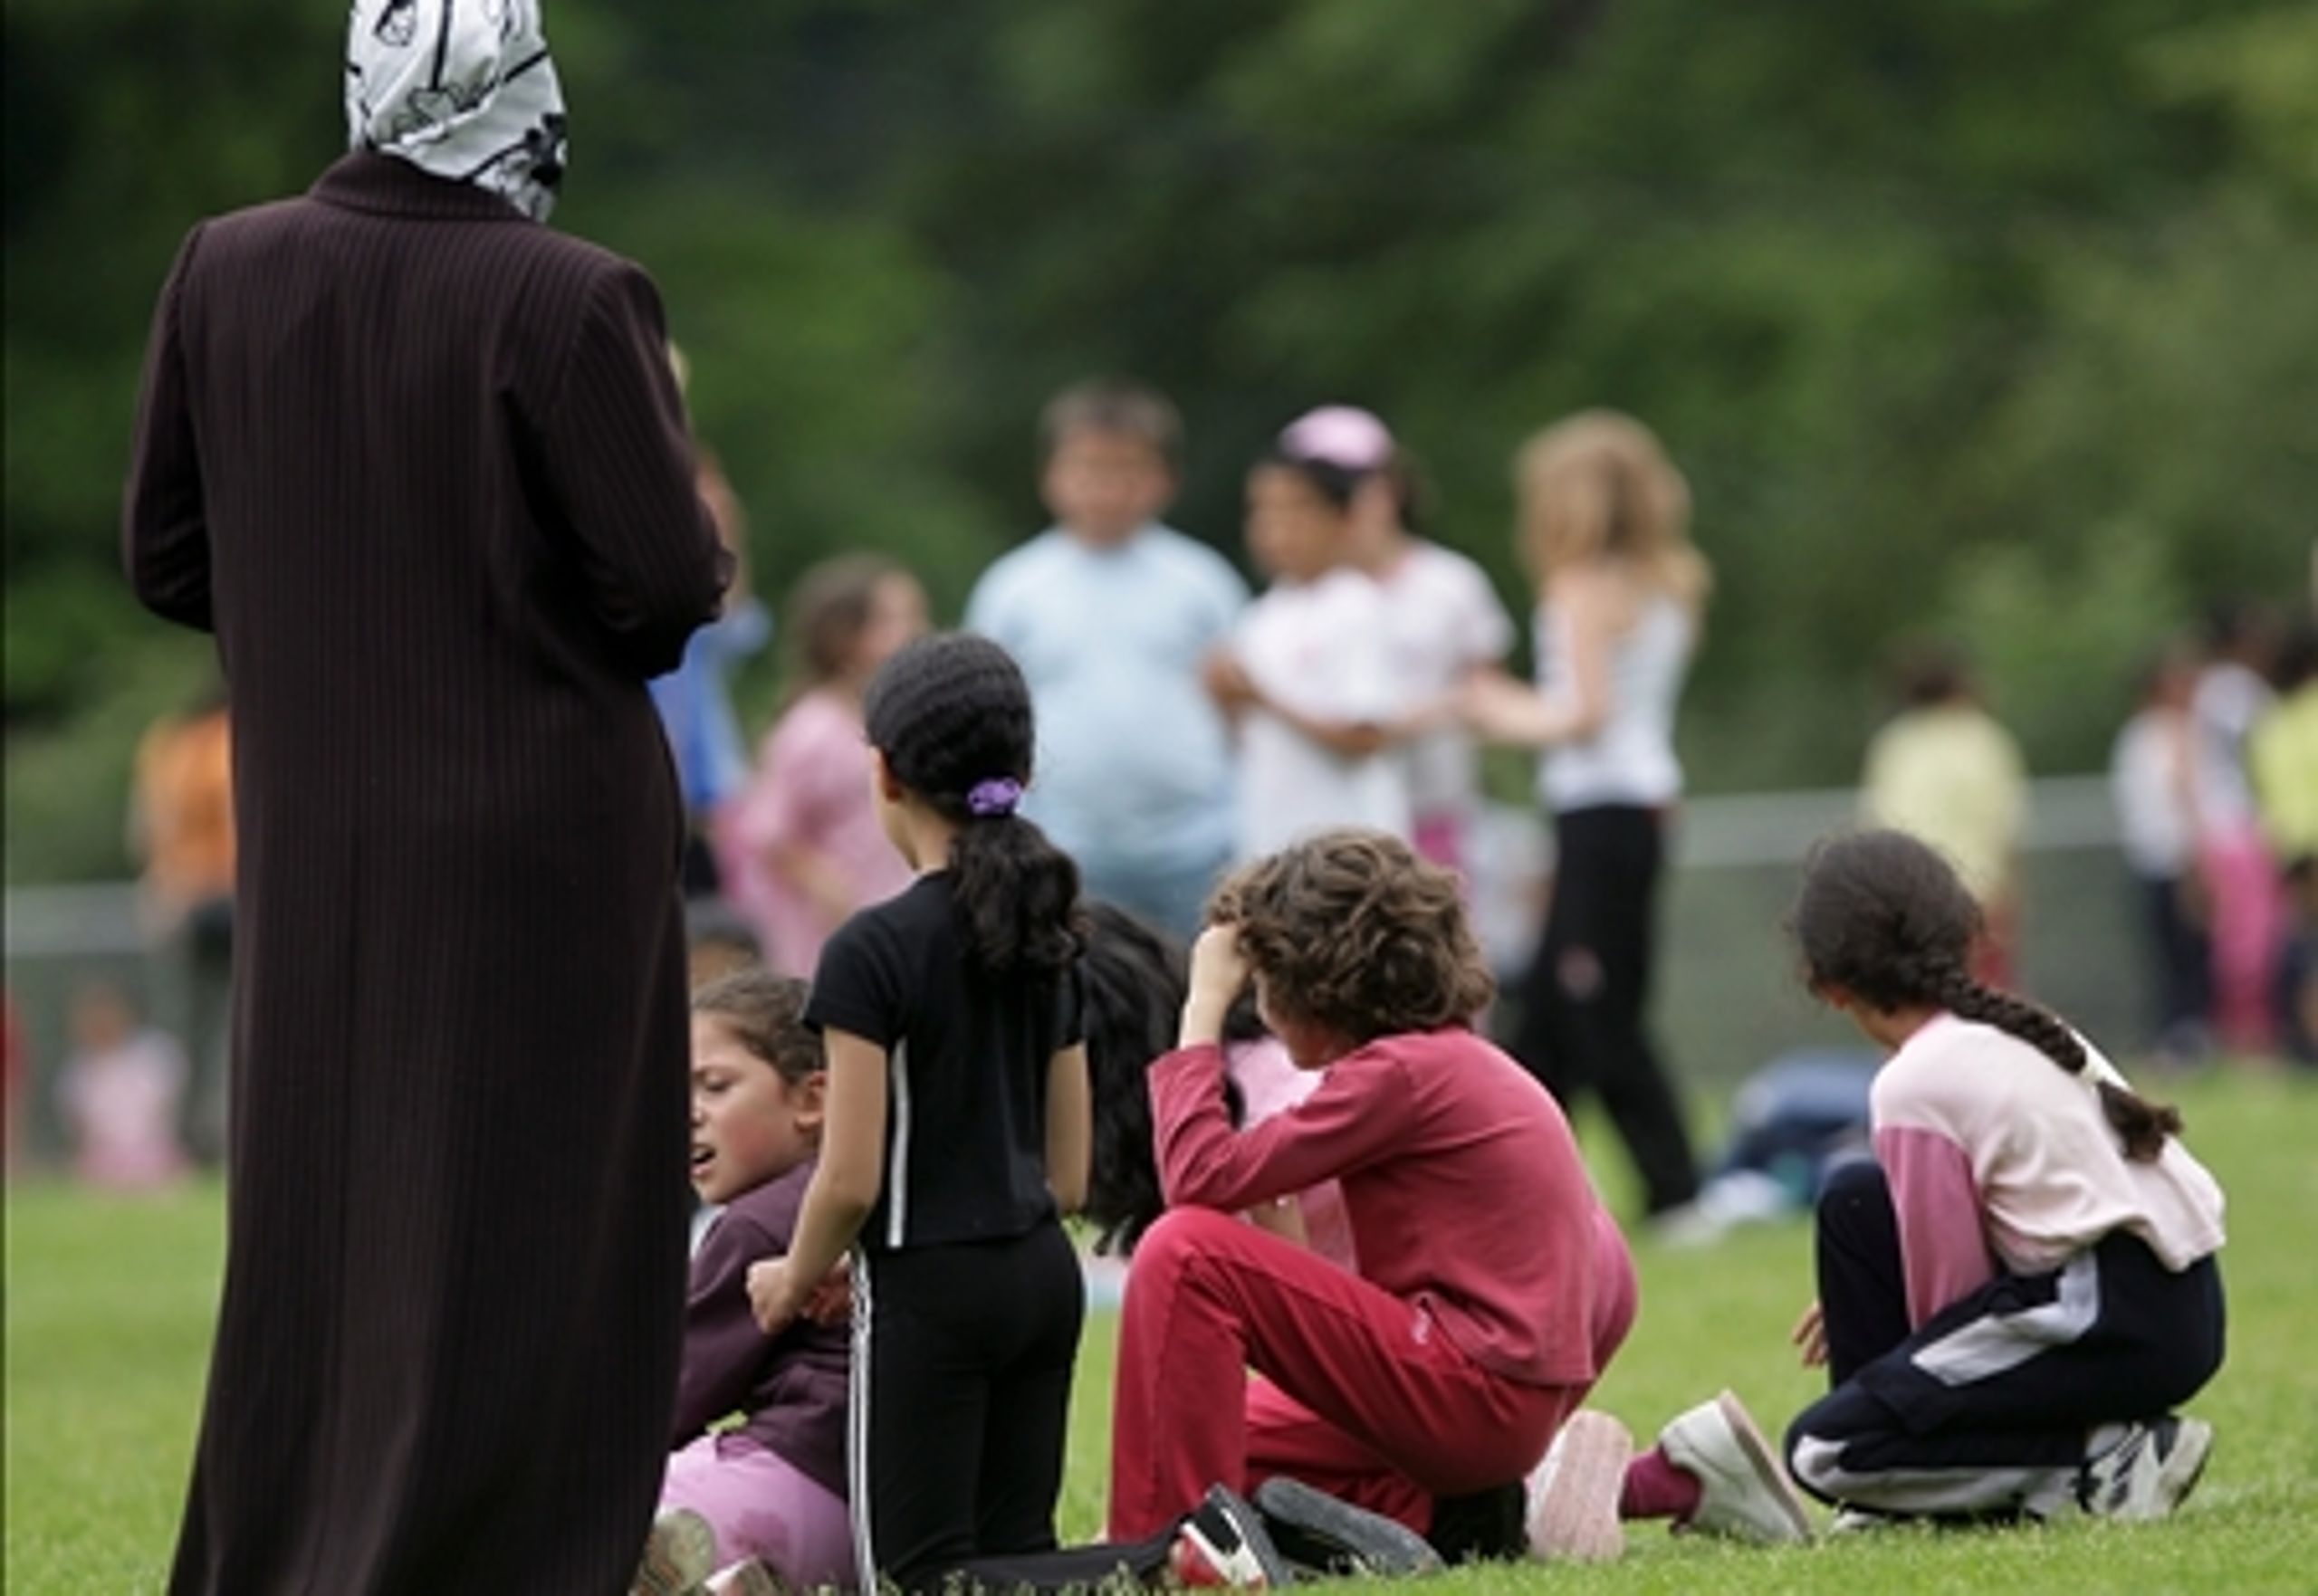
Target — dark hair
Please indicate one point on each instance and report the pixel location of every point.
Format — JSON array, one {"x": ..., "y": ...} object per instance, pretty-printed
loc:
[
  {"x": 1115, "y": 405},
  {"x": 2297, "y": 659},
  {"x": 1337, "y": 485},
  {"x": 1136, "y": 980},
  {"x": 1350, "y": 929},
  {"x": 1930, "y": 671},
  {"x": 1137, "y": 976},
  {"x": 765, "y": 1013},
  {"x": 832, "y": 605},
  {"x": 1884, "y": 917},
  {"x": 950, "y": 712}
]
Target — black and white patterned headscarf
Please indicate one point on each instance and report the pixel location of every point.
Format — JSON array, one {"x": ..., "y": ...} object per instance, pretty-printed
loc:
[{"x": 462, "y": 88}]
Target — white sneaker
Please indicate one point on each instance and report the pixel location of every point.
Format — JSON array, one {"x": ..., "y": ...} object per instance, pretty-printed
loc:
[
  {"x": 2147, "y": 1474},
  {"x": 1573, "y": 1514},
  {"x": 678, "y": 1554},
  {"x": 1745, "y": 1491}
]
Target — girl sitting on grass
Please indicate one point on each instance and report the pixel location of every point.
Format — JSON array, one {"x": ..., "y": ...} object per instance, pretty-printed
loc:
[
  {"x": 771, "y": 1488},
  {"x": 2019, "y": 1288}
]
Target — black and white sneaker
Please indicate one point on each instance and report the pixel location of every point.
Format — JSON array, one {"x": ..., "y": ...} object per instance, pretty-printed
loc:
[
  {"x": 2147, "y": 1474},
  {"x": 1223, "y": 1544},
  {"x": 1329, "y": 1535}
]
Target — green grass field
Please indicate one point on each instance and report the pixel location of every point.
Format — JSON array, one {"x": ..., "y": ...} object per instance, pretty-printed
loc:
[{"x": 108, "y": 1306}]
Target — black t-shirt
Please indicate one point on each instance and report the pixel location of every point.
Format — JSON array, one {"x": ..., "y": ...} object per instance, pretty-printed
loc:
[{"x": 967, "y": 1054}]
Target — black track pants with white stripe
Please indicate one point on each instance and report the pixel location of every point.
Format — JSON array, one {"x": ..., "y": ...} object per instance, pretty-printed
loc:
[
  {"x": 960, "y": 1405},
  {"x": 1986, "y": 1409}
]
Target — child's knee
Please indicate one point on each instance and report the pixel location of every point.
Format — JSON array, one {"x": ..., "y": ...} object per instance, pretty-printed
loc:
[
  {"x": 1181, "y": 1235},
  {"x": 1850, "y": 1185},
  {"x": 1811, "y": 1457}
]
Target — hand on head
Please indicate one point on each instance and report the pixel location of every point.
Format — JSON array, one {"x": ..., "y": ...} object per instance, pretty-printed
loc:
[{"x": 1219, "y": 975}]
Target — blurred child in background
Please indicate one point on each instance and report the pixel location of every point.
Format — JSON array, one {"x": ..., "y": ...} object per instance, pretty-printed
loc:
[
  {"x": 1109, "y": 613},
  {"x": 1307, "y": 674},
  {"x": 121, "y": 1092},
  {"x": 2149, "y": 784},
  {"x": 772, "y": 1487},
  {"x": 1946, "y": 770},
  {"x": 806, "y": 830},
  {"x": 2241, "y": 880},
  {"x": 1605, "y": 531},
  {"x": 2284, "y": 752},
  {"x": 2020, "y": 1288},
  {"x": 695, "y": 699},
  {"x": 1442, "y": 618}
]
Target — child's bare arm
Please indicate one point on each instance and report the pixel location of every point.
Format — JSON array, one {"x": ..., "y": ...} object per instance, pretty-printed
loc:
[
  {"x": 845, "y": 1185},
  {"x": 1070, "y": 1128}
]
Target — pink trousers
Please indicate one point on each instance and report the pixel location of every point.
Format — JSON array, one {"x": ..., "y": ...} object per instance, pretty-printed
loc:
[
  {"x": 1358, "y": 1394},
  {"x": 760, "y": 1505},
  {"x": 2249, "y": 927}
]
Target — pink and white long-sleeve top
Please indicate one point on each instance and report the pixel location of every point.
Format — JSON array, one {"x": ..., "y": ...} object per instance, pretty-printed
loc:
[{"x": 1999, "y": 1158}]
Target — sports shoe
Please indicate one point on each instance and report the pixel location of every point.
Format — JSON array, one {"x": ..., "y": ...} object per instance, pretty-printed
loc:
[
  {"x": 2145, "y": 1474},
  {"x": 678, "y": 1553},
  {"x": 1223, "y": 1544},
  {"x": 1745, "y": 1491},
  {"x": 1482, "y": 1526},
  {"x": 1331, "y": 1536},
  {"x": 1574, "y": 1493}
]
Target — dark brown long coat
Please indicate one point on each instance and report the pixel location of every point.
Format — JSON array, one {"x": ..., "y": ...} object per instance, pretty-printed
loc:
[{"x": 420, "y": 463}]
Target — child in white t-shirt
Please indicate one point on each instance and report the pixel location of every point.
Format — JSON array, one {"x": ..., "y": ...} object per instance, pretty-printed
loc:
[
  {"x": 1308, "y": 672},
  {"x": 1442, "y": 618}
]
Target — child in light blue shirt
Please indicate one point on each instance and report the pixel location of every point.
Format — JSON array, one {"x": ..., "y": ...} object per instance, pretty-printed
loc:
[{"x": 1109, "y": 613}]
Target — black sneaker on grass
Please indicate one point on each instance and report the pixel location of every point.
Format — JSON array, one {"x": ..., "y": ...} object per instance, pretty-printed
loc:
[
  {"x": 1483, "y": 1526},
  {"x": 1223, "y": 1544},
  {"x": 1330, "y": 1536}
]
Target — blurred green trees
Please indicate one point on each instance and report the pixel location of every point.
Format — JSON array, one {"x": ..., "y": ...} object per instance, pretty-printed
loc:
[{"x": 1989, "y": 316}]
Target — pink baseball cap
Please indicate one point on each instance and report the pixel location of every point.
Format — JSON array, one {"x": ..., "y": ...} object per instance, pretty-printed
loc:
[{"x": 1342, "y": 435}]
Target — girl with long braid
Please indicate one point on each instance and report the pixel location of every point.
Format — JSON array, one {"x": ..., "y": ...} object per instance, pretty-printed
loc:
[{"x": 2020, "y": 1287}]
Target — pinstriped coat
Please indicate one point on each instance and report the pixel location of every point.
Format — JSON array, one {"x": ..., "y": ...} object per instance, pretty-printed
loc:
[{"x": 419, "y": 464}]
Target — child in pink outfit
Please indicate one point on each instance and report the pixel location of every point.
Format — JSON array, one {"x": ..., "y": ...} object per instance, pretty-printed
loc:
[
  {"x": 772, "y": 1486},
  {"x": 122, "y": 1090},
  {"x": 812, "y": 848}
]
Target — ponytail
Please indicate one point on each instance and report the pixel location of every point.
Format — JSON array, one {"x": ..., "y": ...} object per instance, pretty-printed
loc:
[
  {"x": 1017, "y": 896},
  {"x": 951, "y": 713},
  {"x": 2143, "y": 1125}
]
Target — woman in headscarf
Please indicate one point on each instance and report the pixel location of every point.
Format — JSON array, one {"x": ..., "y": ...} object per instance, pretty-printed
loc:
[{"x": 420, "y": 465}]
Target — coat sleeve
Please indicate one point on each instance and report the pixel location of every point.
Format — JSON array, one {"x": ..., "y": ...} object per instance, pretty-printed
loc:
[
  {"x": 620, "y": 459},
  {"x": 164, "y": 531}
]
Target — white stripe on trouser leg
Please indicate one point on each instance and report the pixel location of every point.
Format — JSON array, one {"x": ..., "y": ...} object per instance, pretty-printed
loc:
[
  {"x": 856, "y": 1427},
  {"x": 2002, "y": 1342},
  {"x": 897, "y": 1156},
  {"x": 1964, "y": 1488}
]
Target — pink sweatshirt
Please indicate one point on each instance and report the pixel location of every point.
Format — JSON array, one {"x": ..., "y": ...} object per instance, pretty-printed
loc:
[
  {"x": 1465, "y": 1191},
  {"x": 1998, "y": 1157}
]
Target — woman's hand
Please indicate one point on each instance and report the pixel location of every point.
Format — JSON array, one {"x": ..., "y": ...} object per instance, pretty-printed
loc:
[
  {"x": 1810, "y": 1333},
  {"x": 1219, "y": 975}
]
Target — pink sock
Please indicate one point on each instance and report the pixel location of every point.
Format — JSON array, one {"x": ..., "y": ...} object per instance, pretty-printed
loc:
[{"x": 1657, "y": 1488}]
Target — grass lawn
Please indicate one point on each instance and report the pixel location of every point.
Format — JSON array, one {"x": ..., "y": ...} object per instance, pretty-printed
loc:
[{"x": 108, "y": 1307}]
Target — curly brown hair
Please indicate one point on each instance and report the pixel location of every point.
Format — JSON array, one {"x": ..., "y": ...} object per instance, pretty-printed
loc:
[{"x": 1350, "y": 929}]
